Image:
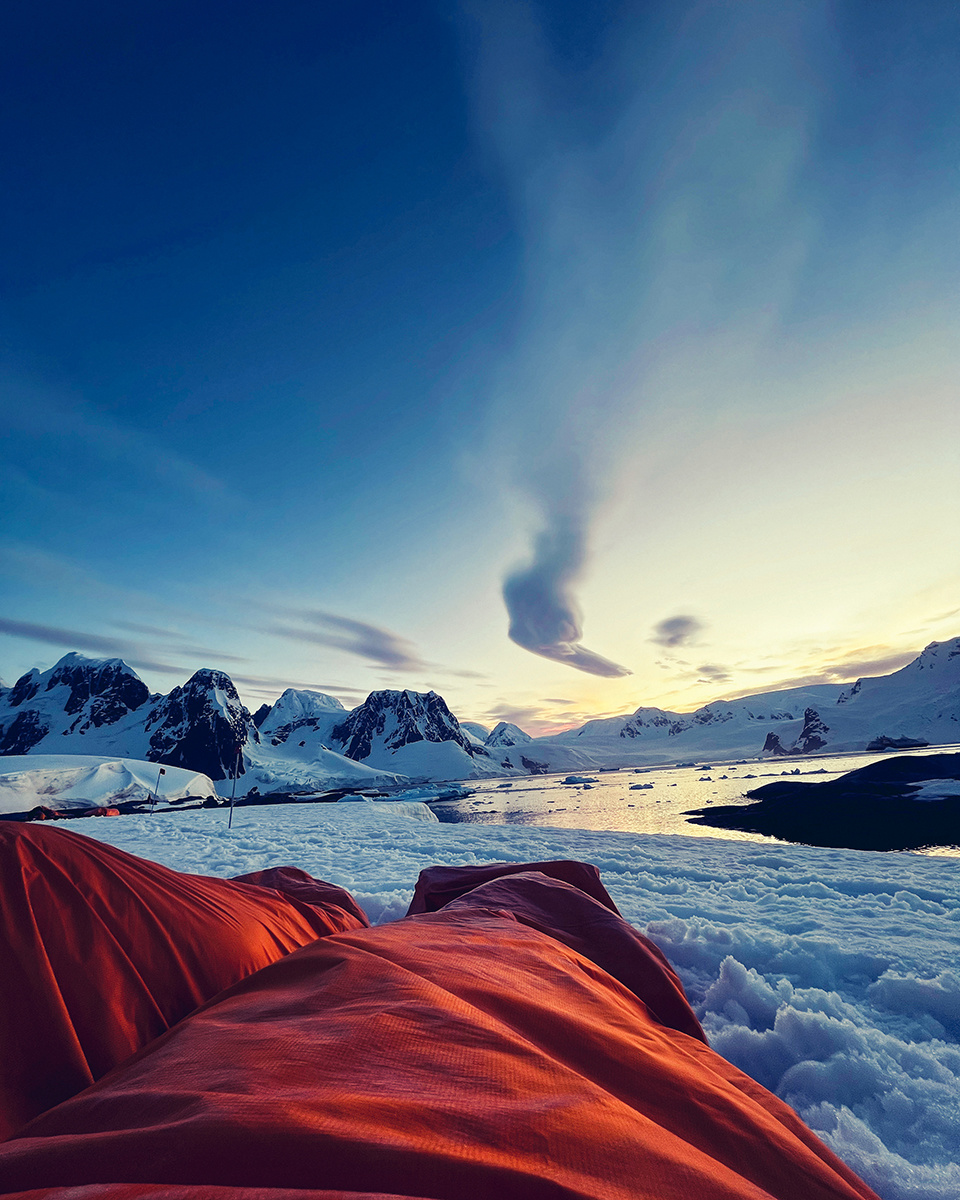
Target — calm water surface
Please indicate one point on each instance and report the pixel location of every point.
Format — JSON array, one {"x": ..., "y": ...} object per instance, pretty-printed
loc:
[{"x": 614, "y": 801}]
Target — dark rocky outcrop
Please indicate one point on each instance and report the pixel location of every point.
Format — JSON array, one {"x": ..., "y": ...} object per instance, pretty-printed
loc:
[
  {"x": 23, "y": 733},
  {"x": 773, "y": 745},
  {"x": 811, "y": 735},
  {"x": 201, "y": 726},
  {"x": 869, "y": 809},
  {"x": 76, "y": 695},
  {"x": 24, "y": 689},
  {"x": 899, "y": 743},
  {"x": 107, "y": 690}
]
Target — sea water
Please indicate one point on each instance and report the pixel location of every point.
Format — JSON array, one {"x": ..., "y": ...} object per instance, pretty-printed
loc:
[{"x": 612, "y": 800}]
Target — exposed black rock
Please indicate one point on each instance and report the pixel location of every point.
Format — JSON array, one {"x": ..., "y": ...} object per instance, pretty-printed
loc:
[
  {"x": 23, "y": 733},
  {"x": 868, "y": 809},
  {"x": 534, "y": 767},
  {"x": 261, "y": 714},
  {"x": 24, "y": 689},
  {"x": 98, "y": 693},
  {"x": 811, "y": 735},
  {"x": 399, "y": 718},
  {"x": 901, "y": 743},
  {"x": 201, "y": 726}
]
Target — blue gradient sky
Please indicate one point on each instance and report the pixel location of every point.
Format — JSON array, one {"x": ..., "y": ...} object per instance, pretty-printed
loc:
[{"x": 323, "y": 322}]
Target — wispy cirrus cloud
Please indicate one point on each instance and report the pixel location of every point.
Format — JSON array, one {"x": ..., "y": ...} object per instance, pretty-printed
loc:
[
  {"x": 375, "y": 644},
  {"x": 133, "y": 653}
]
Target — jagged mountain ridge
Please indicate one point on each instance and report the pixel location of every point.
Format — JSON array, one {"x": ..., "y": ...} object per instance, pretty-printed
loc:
[{"x": 307, "y": 739}]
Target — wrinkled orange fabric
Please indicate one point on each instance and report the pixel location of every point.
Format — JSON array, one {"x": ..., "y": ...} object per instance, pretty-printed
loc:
[
  {"x": 457, "y": 1055},
  {"x": 102, "y": 951}
]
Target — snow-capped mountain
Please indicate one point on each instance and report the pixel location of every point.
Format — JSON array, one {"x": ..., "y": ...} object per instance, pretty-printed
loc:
[
  {"x": 102, "y": 707},
  {"x": 413, "y": 733},
  {"x": 202, "y": 725},
  {"x": 76, "y": 697},
  {"x": 917, "y": 705},
  {"x": 505, "y": 734},
  {"x": 309, "y": 741}
]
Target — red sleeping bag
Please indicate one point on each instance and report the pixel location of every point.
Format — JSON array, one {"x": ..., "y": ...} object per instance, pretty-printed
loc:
[
  {"x": 475, "y": 1052},
  {"x": 102, "y": 952}
]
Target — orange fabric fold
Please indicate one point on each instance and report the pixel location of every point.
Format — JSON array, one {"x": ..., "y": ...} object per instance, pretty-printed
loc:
[
  {"x": 457, "y": 1055},
  {"x": 103, "y": 951}
]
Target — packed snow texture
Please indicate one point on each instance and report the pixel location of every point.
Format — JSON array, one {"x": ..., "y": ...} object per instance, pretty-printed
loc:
[{"x": 829, "y": 975}]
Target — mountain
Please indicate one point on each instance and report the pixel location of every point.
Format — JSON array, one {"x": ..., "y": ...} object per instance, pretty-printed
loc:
[
  {"x": 404, "y": 731},
  {"x": 76, "y": 697},
  {"x": 505, "y": 734},
  {"x": 102, "y": 707},
  {"x": 202, "y": 725},
  {"x": 308, "y": 741},
  {"x": 917, "y": 705}
]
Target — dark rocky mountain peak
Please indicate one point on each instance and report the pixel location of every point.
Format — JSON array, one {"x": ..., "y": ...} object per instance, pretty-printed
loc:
[
  {"x": 399, "y": 718},
  {"x": 201, "y": 725},
  {"x": 107, "y": 688},
  {"x": 76, "y": 695},
  {"x": 24, "y": 689},
  {"x": 811, "y": 735}
]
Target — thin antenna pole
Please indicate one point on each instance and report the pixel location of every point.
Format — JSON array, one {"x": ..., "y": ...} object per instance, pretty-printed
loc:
[
  {"x": 233, "y": 793},
  {"x": 156, "y": 791}
]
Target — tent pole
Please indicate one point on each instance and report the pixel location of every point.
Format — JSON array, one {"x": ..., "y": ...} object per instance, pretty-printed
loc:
[{"x": 233, "y": 792}]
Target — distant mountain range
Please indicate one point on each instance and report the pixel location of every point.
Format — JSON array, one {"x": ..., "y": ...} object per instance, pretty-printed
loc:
[{"x": 309, "y": 741}]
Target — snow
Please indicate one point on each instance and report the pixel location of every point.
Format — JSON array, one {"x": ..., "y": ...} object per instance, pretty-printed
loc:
[
  {"x": 829, "y": 975},
  {"x": 64, "y": 781},
  {"x": 936, "y": 789}
]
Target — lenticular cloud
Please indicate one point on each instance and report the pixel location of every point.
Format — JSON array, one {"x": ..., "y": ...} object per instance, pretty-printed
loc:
[{"x": 544, "y": 616}]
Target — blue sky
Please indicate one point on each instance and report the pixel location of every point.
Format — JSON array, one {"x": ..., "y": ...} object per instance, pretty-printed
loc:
[{"x": 342, "y": 343}]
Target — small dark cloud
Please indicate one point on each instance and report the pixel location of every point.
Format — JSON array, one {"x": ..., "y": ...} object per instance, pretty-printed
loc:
[
  {"x": 355, "y": 637},
  {"x": 711, "y": 673},
  {"x": 676, "y": 631},
  {"x": 140, "y": 664},
  {"x": 855, "y": 668},
  {"x": 514, "y": 714},
  {"x": 556, "y": 700}
]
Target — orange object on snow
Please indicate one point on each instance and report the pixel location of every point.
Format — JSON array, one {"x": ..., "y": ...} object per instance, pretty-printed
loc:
[
  {"x": 478, "y": 1052},
  {"x": 103, "y": 951}
]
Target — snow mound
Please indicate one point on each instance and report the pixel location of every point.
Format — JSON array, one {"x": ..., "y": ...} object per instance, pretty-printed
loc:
[{"x": 73, "y": 781}]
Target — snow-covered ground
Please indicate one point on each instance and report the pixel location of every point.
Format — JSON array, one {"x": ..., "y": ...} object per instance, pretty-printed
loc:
[
  {"x": 65, "y": 781},
  {"x": 829, "y": 975}
]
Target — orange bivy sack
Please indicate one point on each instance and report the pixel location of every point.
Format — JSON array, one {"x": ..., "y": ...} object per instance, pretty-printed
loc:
[
  {"x": 103, "y": 951},
  {"x": 477, "y": 1052}
]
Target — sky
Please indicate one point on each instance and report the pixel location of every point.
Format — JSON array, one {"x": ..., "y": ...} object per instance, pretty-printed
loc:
[{"x": 561, "y": 358}]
